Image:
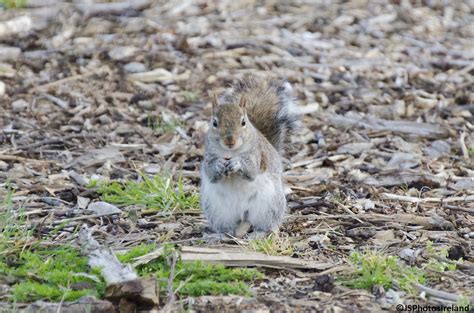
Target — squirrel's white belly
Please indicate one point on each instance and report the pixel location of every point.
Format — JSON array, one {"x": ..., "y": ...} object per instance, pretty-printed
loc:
[{"x": 261, "y": 202}]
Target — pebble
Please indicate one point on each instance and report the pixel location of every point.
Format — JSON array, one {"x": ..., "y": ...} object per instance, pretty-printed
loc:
[
  {"x": 152, "y": 169},
  {"x": 2, "y": 88},
  {"x": 6, "y": 70},
  {"x": 82, "y": 202},
  {"x": 105, "y": 119},
  {"x": 134, "y": 67},
  {"x": 19, "y": 105},
  {"x": 9, "y": 53},
  {"x": 104, "y": 208},
  {"x": 146, "y": 104},
  {"x": 120, "y": 53},
  {"x": 165, "y": 227},
  {"x": 3, "y": 166}
]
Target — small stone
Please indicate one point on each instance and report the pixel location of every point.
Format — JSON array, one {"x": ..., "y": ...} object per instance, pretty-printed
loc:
[
  {"x": 82, "y": 202},
  {"x": 2, "y": 88},
  {"x": 105, "y": 119},
  {"x": 3, "y": 166},
  {"x": 152, "y": 169},
  {"x": 79, "y": 179},
  {"x": 134, "y": 67},
  {"x": 437, "y": 149},
  {"x": 211, "y": 79},
  {"x": 9, "y": 53},
  {"x": 19, "y": 106},
  {"x": 324, "y": 283},
  {"x": 103, "y": 208},
  {"x": 146, "y": 104},
  {"x": 165, "y": 227},
  {"x": 121, "y": 53},
  {"x": 6, "y": 70},
  {"x": 369, "y": 205}
]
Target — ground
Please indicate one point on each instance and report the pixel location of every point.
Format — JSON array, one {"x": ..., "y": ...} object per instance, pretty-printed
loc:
[{"x": 380, "y": 177}]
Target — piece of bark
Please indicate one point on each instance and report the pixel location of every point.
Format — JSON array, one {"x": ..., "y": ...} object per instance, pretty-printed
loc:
[
  {"x": 238, "y": 257},
  {"x": 429, "y": 222},
  {"x": 124, "y": 287},
  {"x": 373, "y": 123},
  {"x": 143, "y": 292},
  {"x": 97, "y": 157},
  {"x": 407, "y": 177}
]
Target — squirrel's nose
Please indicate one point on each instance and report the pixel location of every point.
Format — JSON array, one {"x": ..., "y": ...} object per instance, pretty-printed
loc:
[{"x": 229, "y": 141}]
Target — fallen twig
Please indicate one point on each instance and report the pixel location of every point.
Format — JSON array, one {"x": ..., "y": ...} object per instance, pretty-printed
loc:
[{"x": 442, "y": 294}]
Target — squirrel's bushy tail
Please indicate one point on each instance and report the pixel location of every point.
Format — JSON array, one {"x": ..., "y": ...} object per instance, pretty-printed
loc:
[{"x": 269, "y": 107}]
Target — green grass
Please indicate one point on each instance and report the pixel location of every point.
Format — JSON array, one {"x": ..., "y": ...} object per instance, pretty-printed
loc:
[
  {"x": 273, "y": 244},
  {"x": 160, "y": 126},
  {"x": 160, "y": 193},
  {"x": 195, "y": 278},
  {"x": 436, "y": 264},
  {"x": 37, "y": 272},
  {"x": 12, "y": 4},
  {"x": 372, "y": 268},
  {"x": 471, "y": 151},
  {"x": 189, "y": 96},
  {"x": 49, "y": 274}
]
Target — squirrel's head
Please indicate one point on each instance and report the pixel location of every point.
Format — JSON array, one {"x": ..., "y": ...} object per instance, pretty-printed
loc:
[{"x": 229, "y": 123}]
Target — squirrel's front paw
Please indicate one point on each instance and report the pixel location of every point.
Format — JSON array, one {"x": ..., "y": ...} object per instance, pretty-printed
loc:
[
  {"x": 221, "y": 166},
  {"x": 233, "y": 166}
]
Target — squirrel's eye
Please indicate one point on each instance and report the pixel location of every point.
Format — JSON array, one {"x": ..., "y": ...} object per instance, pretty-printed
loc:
[
  {"x": 243, "y": 122},
  {"x": 214, "y": 123}
]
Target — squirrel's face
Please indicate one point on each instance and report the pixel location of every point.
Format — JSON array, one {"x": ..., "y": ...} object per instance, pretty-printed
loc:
[{"x": 228, "y": 126}]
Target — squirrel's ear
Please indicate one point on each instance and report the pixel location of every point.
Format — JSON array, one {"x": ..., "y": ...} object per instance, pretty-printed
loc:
[
  {"x": 215, "y": 103},
  {"x": 243, "y": 102}
]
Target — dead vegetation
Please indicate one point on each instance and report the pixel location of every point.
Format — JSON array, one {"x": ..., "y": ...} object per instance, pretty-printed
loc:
[{"x": 103, "y": 109}]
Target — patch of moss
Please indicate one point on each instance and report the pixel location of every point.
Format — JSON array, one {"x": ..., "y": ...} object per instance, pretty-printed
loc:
[
  {"x": 136, "y": 252},
  {"x": 373, "y": 269},
  {"x": 35, "y": 271},
  {"x": 195, "y": 278},
  {"x": 50, "y": 274},
  {"x": 189, "y": 96},
  {"x": 12, "y": 4},
  {"x": 161, "y": 193},
  {"x": 437, "y": 264}
]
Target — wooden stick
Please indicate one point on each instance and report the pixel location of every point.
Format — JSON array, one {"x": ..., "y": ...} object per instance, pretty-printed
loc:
[{"x": 390, "y": 196}]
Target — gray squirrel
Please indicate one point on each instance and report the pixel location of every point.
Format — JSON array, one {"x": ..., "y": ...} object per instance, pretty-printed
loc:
[{"x": 241, "y": 174}]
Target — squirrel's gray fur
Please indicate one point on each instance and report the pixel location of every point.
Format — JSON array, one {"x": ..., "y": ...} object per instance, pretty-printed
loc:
[{"x": 241, "y": 174}]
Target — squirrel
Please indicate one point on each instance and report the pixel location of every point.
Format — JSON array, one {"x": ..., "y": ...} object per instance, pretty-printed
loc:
[{"x": 241, "y": 173}]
